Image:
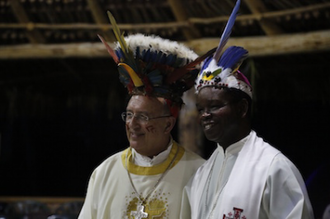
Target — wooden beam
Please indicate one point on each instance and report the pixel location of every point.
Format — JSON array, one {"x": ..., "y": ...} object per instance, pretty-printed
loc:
[
  {"x": 257, "y": 46},
  {"x": 32, "y": 34},
  {"x": 269, "y": 27},
  {"x": 260, "y": 16},
  {"x": 167, "y": 25},
  {"x": 100, "y": 18},
  {"x": 180, "y": 14},
  {"x": 271, "y": 45},
  {"x": 107, "y": 27}
]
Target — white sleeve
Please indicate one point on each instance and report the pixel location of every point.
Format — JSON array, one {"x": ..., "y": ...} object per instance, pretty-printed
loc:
[
  {"x": 185, "y": 203},
  {"x": 88, "y": 210},
  {"x": 285, "y": 194},
  {"x": 326, "y": 213}
]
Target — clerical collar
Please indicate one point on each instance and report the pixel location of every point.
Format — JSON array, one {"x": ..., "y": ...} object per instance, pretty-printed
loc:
[
  {"x": 146, "y": 161},
  {"x": 236, "y": 147}
]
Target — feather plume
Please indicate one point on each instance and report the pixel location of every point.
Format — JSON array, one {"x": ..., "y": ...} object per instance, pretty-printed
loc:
[
  {"x": 136, "y": 80},
  {"x": 110, "y": 50},
  {"x": 125, "y": 79},
  {"x": 129, "y": 57},
  {"x": 155, "y": 77},
  {"x": 226, "y": 33},
  {"x": 180, "y": 72},
  {"x": 118, "y": 34},
  {"x": 233, "y": 57}
]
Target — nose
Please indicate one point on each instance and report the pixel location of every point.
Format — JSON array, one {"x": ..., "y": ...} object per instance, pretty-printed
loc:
[
  {"x": 133, "y": 122},
  {"x": 206, "y": 114}
]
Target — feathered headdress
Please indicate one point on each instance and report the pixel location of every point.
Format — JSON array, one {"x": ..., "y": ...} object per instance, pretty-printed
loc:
[
  {"x": 152, "y": 66},
  {"x": 221, "y": 70}
]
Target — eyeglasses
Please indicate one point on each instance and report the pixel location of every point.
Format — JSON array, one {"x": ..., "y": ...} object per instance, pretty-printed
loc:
[{"x": 141, "y": 118}]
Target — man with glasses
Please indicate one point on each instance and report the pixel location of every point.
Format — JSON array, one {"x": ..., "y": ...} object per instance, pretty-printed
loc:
[
  {"x": 148, "y": 125},
  {"x": 147, "y": 179}
]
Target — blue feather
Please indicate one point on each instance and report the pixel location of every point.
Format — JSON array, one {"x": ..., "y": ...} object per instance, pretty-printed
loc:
[
  {"x": 137, "y": 53},
  {"x": 163, "y": 59},
  {"x": 170, "y": 59},
  {"x": 226, "y": 33},
  {"x": 155, "y": 77},
  {"x": 206, "y": 63},
  {"x": 146, "y": 55},
  {"x": 232, "y": 57},
  {"x": 124, "y": 76},
  {"x": 156, "y": 56},
  {"x": 120, "y": 54}
]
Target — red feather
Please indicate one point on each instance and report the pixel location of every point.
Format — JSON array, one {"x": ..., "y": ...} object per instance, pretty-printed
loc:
[
  {"x": 110, "y": 50},
  {"x": 180, "y": 72}
]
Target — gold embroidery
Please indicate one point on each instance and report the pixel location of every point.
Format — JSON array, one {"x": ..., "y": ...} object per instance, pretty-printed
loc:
[
  {"x": 176, "y": 151},
  {"x": 157, "y": 207}
]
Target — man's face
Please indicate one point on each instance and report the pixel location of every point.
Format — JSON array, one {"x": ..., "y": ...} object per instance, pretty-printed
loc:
[
  {"x": 219, "y": 116},
  {"x": 147, "y": 138}
]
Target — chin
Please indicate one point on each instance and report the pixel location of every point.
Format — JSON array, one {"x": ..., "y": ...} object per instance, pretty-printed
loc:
[
  {"x": 211, "y": 135},
  {"x": 214, "y": 138},
  {"x": 134, "y": 144},
  {"x": 139, "y": 147}
]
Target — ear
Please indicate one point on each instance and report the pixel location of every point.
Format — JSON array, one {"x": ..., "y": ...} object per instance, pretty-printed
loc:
[
  {"x": 243, "y": 107},
  {"x": 170, "y": 122}
]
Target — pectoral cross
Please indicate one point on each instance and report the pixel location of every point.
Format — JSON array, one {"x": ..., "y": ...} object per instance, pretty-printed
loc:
[{"x": 139, "y": 213}]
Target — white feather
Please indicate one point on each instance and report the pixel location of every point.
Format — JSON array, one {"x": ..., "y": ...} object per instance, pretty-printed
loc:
[{"x": 156, "y": 43}]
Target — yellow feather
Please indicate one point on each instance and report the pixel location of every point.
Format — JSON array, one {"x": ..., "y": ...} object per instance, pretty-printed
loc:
[
  {"x": 119, "y": 36},
  {"x": 136, "y": 80}
]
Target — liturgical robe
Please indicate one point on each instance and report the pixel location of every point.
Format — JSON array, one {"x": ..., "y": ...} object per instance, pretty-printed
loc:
[
  {"x": 110, "y": 194},
  {"x": 250, "y": 180}
]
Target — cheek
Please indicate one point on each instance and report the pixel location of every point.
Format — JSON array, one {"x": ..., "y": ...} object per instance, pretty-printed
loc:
[
  {"x": 127, "y": 127},
  {"x": 150, "y": 129},
  {"x": 200, "y": 120}
]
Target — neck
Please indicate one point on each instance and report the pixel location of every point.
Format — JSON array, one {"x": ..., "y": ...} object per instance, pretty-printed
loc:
[
  {"x": 161, "y": 146},
  {"x": 240, "y": 135}
]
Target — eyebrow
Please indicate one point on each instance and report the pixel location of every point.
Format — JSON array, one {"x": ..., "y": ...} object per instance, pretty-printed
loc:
[{"x": 138, "y": 112}]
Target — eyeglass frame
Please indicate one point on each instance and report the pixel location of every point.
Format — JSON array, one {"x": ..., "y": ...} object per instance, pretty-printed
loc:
[{"x": 144, "y": 119}]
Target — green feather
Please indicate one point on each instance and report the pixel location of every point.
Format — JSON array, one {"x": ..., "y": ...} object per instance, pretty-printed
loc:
[
  {"x": 118, "y": 35},
  {"x": 123, "y": 45},
  {"x": 216, "y": 72}
]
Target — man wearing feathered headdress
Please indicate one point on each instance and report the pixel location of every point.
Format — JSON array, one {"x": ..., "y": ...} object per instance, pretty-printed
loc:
[
  {"x": 147, "y": 179},
  {"x": 245, "y": 177}
]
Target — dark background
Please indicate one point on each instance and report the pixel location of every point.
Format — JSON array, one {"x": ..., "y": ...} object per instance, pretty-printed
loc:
[{"x": 60, "y": 118}]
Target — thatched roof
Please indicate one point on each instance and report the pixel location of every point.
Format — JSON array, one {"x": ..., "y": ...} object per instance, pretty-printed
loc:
[
  {"x": 51, "y": 29},
  {"x": 68, "y": 28}
]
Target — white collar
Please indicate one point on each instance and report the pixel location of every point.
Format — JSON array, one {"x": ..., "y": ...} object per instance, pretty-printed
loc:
[{"x": 146, "y": 161}]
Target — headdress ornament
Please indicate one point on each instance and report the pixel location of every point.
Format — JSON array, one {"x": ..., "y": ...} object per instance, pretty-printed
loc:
[
  {"x": 221, "y": 70},
  {"x": 152, "y": 66}
]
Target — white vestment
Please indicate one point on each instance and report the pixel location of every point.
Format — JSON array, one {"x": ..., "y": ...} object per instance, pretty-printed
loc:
[
  {"x": 110, "y": 194},
  {"x": 250, "y": 180}
]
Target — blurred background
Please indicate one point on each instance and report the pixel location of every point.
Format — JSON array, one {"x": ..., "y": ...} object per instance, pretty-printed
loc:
[{"x": 61, "y": 99}]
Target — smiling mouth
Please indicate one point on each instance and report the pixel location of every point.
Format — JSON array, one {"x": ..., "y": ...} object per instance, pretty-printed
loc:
[
  {"x": 207, "y": 126},
  {"x": 135, "y": 135}
]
